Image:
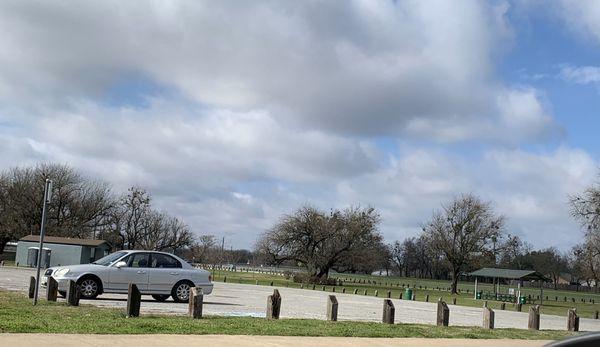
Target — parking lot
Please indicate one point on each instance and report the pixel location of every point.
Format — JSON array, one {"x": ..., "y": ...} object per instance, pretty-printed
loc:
[{"x": 249, "y": 300}]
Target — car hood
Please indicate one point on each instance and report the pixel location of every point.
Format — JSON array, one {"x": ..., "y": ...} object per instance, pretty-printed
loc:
[{"x": 78, "y": 267}]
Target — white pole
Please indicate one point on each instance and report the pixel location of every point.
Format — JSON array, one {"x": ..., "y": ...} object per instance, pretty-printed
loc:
[
  {"x": 47, "y": 196},
  {"x": 475, "y": 288}
]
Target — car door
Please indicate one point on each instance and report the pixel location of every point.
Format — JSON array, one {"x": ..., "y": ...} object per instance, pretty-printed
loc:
[
  {"x": 136, "y": 272},
  {"x": 165, "y": 271}
]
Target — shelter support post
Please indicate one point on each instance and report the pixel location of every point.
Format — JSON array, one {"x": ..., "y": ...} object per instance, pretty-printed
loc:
[{"x": 475, "y": 297}]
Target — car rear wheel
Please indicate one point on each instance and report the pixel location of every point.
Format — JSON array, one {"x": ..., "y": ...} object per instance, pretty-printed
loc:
[
  {"x": 181, "y": 291},
  {"x": 160, "y": 297},
  {"x": 89, "y": 288}
]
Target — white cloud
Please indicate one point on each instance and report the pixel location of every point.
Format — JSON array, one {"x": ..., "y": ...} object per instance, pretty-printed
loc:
[{"x": 580, "y": 74}]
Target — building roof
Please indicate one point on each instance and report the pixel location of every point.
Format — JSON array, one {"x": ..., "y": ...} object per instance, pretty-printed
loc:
[
  {"x": 65, "y": 240},
  {"x": 510, "y": 274}
]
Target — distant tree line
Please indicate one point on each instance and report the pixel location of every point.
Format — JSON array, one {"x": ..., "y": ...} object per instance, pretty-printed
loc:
[{"x": 84, "y": 208}]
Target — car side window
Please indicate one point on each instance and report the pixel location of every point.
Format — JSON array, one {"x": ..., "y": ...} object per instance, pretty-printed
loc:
[
  {"x": 138, "y": 260},
  {"x": 164, "y": 261}
]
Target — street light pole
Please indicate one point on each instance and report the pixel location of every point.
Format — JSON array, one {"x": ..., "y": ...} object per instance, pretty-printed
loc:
[{"x": 47, "y": 196}]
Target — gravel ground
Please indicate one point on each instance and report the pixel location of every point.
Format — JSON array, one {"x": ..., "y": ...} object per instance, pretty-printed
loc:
[{"x": 250, "y": 300}]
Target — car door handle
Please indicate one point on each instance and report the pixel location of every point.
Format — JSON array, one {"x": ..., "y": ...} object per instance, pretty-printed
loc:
[
  {"x": 141, "y": 272},
  {"x": 174, "y": 273}
]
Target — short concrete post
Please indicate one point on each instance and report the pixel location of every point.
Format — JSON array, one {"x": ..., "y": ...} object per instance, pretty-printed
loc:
[
  {"x": 427, "y": 298},
  {"x": 196, "y": 302},
  {"x": 31, "y": 287},
  {"x": 488, "y": 318},
  {"x": 313, "y": 287},
  {"x": 534, "y": 318},
  {"x": 343, "y": 290},
  {"x": 73, "y": 294},
  {"x": 572, "y": 320},
  {"x": 51, "y": 289},
  {"x": 388, "y": 312},
  {"x": 134, "y": 301},
  {"x": 389, "y": 294},
  {"x": 355, "y": 291},
  {"x": 224, "y": 279},
  {"x": 376, "y": 292},
  {"x": 454, "y": 301},
  {"x": 596, "y": 314},
  {"x": 271, "y": 283},
  {"x": 503, "y": 306},
  {"x": 443, "y": 314},
  {"x": 333, "y": 289},
  {"x": 365, "y": 292},
  {"x": 519, "y": 307},
  {"x": 273, "y": 305},
  {"x": 332, "y": 308}
]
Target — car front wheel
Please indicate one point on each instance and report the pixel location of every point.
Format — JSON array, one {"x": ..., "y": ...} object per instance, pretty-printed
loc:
[
  {"x": 159, "y": 297},
  {"x": 89, "y": 288},
  {"x": 181, "y": 291}
]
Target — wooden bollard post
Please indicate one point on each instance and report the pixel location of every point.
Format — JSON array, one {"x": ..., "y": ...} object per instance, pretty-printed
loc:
[
  {"x": 271, "y": 283},
  {"x": 534, "y": 318},
  {"x": 313, "y": 287},
  {"x": 31, "y": 287},
  {"x": 376, "y": 292},
  {"x": 365, "y": 293},
  {"x": 427, "y": 298},
  {"x": 519, "y": 307},
  {"x": 596, "y": 314},
  {"x": 414, "y": 297},
  {"x": 51, "y": 289},
  {"x": 256, "y": 282},
  {"x": 196, "y": 302},
  {"x": 503, "y": 306},
  {"x": 333, "y": 289},
  {"x": 389, "y": 294},
  {"x": 332, "y": 308},
  {"x": 323, "y": 288},
  {"x": 273, "y": 305},
  {"x": 488, "y": 318},
  {"x": 355, "y": 291},
  {"x": 343, "y": 290},
  {"x": 73, "y": 294},
  {"x": 454, "y": 301},
  {"x": 224, "y": 279},
  {"x": 443, "y": 314},
  {"x": 301, "y": 285},
  {"x": 134, "y": 301},
  {"x": 573, "y": 320},
  {"x": 388, "y": 312}
]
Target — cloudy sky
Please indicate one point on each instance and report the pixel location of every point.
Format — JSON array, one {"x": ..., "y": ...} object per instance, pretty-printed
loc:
[{"x": 234, "y": 112}]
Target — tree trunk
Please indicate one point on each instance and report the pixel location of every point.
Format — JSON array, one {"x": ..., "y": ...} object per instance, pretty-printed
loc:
[
  {"x": 454, "y": 282},
  {"x": 3, "y": 242}
]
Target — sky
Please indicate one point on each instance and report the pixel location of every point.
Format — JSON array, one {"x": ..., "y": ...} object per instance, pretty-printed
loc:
[{"x": 233, "y": 113}]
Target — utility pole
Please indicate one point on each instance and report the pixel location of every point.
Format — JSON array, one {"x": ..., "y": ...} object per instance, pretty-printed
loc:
[{"x": 47, "y": 197}]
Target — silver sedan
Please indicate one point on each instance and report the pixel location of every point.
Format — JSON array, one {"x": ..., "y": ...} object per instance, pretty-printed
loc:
[{"x": 155, "y": 273}]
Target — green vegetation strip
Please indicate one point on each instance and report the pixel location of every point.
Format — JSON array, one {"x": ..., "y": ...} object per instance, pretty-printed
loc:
[{"x": 17, "y": 315}]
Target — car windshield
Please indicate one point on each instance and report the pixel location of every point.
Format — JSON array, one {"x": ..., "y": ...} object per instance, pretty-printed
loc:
[{"x": 109, "y": 259}]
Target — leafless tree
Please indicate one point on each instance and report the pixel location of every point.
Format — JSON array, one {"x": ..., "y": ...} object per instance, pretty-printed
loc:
[
  {"x": 321, "y": 241},
  {"x": 464, "y": 229},
  {"x": 79, "y": 208}
]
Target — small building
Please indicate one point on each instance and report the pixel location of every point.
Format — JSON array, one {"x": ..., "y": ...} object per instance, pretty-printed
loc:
[
  {"x": 63, "y": 250},
  {"x": 9, "y": 252}
]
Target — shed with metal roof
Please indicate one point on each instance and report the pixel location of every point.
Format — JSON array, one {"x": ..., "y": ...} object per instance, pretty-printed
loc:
[{"x": 63, "y": 250}]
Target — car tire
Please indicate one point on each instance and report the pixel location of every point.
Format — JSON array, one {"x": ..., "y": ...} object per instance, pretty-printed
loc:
[
  {"x": 160, "y": 297},
  {"x": 181, "y": 291},
  {"x": 89, "y": 287}
]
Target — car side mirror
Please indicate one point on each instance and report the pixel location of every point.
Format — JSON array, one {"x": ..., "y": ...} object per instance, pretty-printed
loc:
[{"x": 120, "y": 264}]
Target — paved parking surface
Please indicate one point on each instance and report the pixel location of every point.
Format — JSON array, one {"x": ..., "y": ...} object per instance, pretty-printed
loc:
[{"x": 250, "y": 300}]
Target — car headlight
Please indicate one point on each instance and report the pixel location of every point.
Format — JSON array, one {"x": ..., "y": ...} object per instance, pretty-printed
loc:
[{"x": 61, "y": 272}]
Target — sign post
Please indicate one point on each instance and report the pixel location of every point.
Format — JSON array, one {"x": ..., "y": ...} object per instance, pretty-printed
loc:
[{"x": 47, "y": 196}]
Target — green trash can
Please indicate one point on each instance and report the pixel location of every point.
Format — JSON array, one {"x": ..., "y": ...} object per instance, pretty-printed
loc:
[
  {"x": 478, "y": 295},
  {"x": 522, "y": 300},
  {"x": 408, "y": 292}
]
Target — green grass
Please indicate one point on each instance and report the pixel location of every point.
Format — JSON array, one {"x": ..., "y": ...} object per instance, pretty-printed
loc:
[
  {"x": 393, "y": 284},
  {"x": 18, "y": 315}
]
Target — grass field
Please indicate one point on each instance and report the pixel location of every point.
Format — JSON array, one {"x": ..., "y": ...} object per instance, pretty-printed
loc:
[
  {"x": 18, "y": 315},
  {"x": 554, "y": 305}
]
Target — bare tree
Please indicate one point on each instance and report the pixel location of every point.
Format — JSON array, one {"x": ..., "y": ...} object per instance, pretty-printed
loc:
[
  {"x": 79, "y": 207},
  {"x": 464, "y": 229},
  {"x": 321, "y": 241}
]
